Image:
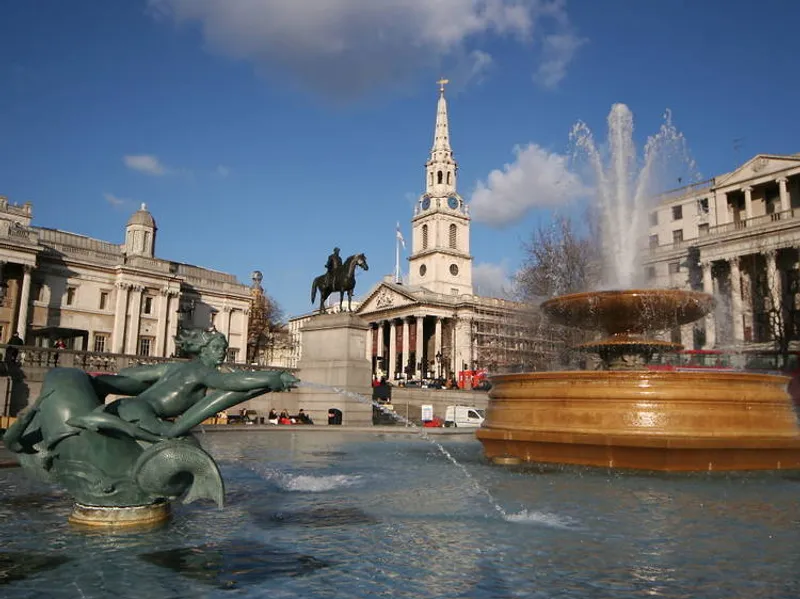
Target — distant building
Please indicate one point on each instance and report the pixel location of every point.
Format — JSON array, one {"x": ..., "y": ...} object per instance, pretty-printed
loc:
[
  {"x": 736, "y": 236},
  {"x": 435, "y": 325},
  {"x": 105, "y": 297}
]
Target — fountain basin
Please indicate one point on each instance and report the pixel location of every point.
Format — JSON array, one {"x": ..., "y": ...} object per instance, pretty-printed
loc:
[
  {"x": 643, "y": 420},
  {"x": 628, "y": 311}
]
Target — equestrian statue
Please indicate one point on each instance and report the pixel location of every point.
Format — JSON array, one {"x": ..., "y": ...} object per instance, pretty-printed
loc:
[{"x": 339, "y": 277}]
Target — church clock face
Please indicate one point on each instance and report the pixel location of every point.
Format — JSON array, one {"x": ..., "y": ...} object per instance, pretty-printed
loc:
[
  {"x": 452, "y": 201},
  {"x": 426, "y": 203},
  {"x": 454, "y": 270},
  {"x": 422, "y": 270}
]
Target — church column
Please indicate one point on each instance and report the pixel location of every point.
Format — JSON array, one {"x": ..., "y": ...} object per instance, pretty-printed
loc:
[
  {"x": 22, "y": 320},
  {"x": 748, "y": 202},
  {"x": 775, "y": 286},
  {"x": 736, "y": 300},
  {"x": 437, "y": 344},
  {"x": 420, "y": 351},
  {"x": 381, "y": 345},
  {"x": 406, "y": 346},
  {"x": 392, "y": 367},
  {"x": 136, "y": 313},
  {"x": 708, "y": 287},
  {"x": 120, "y": 312},
  {"x": 785, "y": 203},
  {"x": 370, "y": 342}
]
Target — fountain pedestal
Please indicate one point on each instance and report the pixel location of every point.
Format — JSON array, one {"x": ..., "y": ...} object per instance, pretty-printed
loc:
[
  {"x": 139, "y": 516},
  {"x": 334, "y": 355}
]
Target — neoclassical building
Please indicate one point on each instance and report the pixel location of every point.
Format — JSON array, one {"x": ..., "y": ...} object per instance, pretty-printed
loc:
[
  {"x": 106, "y": 297},
  {"x": 736, "y": 236},
  {"x": 435, "y": 325}
]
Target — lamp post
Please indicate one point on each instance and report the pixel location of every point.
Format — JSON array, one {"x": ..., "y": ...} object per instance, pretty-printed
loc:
[{"x": 439, "y": 365}]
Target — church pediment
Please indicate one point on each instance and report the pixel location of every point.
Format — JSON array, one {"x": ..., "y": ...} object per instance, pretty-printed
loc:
[
  {"x": 385, "y": 298},
  {"x": 761, "y": 165}
]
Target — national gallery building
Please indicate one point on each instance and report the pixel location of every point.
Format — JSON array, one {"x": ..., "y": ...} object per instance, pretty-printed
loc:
[
  {"x": 109, "y": 298},
  {"x": 736, "y": 236}
]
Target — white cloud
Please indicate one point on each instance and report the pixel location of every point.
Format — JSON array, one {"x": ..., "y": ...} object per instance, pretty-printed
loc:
[
  {"x": 536, "y": 179},
  {"x": 222, "y": 171},
  {"x": 491, "y": 280},
  {"x": 145, "y": 163},
  {"x": 348, "y": 46},
  {"x": 558, "y": 51},
  {"x": 114, "y": 200}
]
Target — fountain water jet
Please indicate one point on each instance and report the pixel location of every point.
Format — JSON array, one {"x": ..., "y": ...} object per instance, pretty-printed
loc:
[{"x": 626, "y": 416}]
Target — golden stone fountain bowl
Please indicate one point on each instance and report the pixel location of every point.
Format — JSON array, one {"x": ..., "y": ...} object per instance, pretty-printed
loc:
[{"x": 640, "y": 419}]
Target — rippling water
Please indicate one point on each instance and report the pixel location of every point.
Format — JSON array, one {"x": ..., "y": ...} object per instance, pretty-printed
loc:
[{"x": 371, "y": 515}]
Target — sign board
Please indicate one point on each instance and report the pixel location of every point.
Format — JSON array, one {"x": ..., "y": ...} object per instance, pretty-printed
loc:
[{"x": 427, "y": 412}]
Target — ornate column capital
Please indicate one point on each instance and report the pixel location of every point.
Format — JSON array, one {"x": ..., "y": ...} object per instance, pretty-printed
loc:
[
  {"x": 122, "y": 285},
  {"x": 747, "y": 188},
  {"x": 782, "y": 180}
]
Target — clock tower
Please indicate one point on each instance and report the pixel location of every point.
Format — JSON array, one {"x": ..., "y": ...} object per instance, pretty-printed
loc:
[{"x": 440, "y": 260}]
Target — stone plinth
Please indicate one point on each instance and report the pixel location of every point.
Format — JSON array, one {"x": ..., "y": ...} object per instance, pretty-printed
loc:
[{"x": 334, "y": 354}]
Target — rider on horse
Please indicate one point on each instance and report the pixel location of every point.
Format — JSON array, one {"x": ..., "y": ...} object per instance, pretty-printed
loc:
[{"x": 332, "y": 266}]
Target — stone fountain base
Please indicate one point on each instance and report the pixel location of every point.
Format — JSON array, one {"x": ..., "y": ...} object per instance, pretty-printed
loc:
[
  {"x": 138, "y": 516},
  {"x": 667, "y": 421}
]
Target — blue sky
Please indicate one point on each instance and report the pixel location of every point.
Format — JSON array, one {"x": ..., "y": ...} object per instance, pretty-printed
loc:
[{"x": 261, "y": 133}]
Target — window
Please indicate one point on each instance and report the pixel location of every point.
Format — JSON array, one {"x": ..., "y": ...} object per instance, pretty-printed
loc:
[
  {"x": 677, "y": 212},
  {"x": 100, "y": 342},
  {"x": 703, "y": 230},
  {"x": 453, "y": 291},
  {"x": 674, "y": 267},
  {"x": 439, "y": 176},
  {"x": 147, "y": 307},
  {"x": 422, "y": 270},
  {"x": 677, "y": 235},
  {"x": 454, "y": 270},
  {"x": 650, "y": 273},
  {"x": 653, "y": 241},
  {"x": 448, "y": 177},
  {"x": 103, "y": 302},
  {"x": 424, "y": 237},
  {"x": 232, "y": 353},
  {"x": 70, "y": 299},
  {"x": 38, "y": 292},
  {"x": 653, "y": 219},
  {"x": 702, "y": 206},
  {"x": 453, "y": 236},
  {"x": 145, "y": 345}
]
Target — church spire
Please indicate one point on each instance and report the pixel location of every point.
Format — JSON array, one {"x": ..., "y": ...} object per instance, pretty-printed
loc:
[{"x": 441, "y": 168}]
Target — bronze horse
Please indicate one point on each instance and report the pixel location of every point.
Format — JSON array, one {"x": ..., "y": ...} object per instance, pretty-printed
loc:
[{"x": 343, "y": 281}]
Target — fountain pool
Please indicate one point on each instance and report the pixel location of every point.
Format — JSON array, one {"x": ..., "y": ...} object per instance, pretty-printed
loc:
[{"x": 346, "y": 514}]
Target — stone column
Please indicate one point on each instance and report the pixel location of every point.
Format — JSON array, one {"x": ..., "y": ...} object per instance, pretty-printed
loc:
[
  {"x": 224, "y": 323},
  {"x": 381, "y": 346},
  {"x": 710, "y": 320},
  {"x": 173, "y": 317},
  {"x": 406, "y": 345},
  {"x": 24, "y": 300},
  {"x": 370, "y": 342},
  {"x": 136, "y": 314},
  {"x": 748, "y": 202},
  {"x": 736, "y": 300},
  {"x": 775, "y": 286},
  {"x": 785, "y": 202},
  {"x": 437, "y": 343},
  {"x": 392, "y": 367},
  {"x": 120, "y": 313},
  {"x": 419, "y": 348},
  {"x": 161, "y": 331}
]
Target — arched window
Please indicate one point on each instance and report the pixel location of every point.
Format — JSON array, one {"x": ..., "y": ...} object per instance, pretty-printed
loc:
[
  {"x": 453, "y": 236},
  {"x": 448, "y": 178},
  {"x": 439, "y": 177},
  {"x": 424, "y": 237},
  {"x": 431, "y": 177}
]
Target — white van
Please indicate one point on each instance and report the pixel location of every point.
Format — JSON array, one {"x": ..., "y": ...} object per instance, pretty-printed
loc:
[{"x": 463, "y": 416}]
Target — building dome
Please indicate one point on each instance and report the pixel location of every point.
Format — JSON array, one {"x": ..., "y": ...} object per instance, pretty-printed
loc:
[{"x": 142, "y": 217}]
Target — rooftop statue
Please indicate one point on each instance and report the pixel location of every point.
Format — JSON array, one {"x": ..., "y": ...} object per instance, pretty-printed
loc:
[
  {"x": 339, "y": 277},
  {"x": 138, "y": 450}
]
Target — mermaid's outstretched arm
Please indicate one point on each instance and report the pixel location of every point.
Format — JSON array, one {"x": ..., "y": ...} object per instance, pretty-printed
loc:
[{"x": 212, "y": 403}]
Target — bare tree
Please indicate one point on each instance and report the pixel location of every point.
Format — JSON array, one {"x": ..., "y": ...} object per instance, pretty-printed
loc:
[
  {"x": 559, "y": 260},
  {"x": 266, "y": 327}
]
